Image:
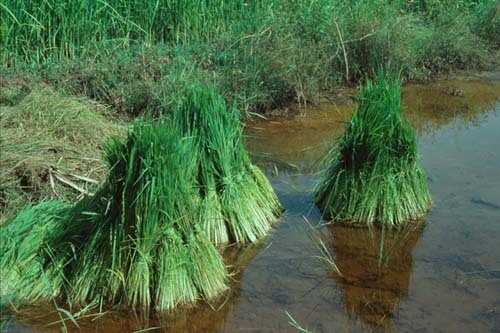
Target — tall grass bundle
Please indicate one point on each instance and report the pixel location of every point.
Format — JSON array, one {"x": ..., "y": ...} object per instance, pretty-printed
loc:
[
  {"x": 238, "y": 202},
  {"x": 145, "y": 239},
  {"x": 373, "y": 173},
  {"x": 22, "y": 238},
  {"x": 135, "y": 242}
]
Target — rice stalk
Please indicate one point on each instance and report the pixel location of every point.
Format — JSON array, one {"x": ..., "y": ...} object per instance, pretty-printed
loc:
[
  {"x": 136, "y": 242},
  {"x": 295, "y": 324},
  {"x": 24, "y": 276},
  {"x": 373, "y": 174},
  {"x": 238, "y": 202},
  {"x": 145, "y": 239}
]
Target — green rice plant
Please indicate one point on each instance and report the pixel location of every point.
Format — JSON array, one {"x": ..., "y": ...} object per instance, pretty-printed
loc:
[
  {"x": 237, "y": 201},
  {"x": 21, "y": 240},
  {"x": 136, "y": 241},
  {"x": 295, "y": 324},
  {"x": 373, "y": 174},
  {"x": 143, "y": 244},
  {"x": 145, "y": 239}
]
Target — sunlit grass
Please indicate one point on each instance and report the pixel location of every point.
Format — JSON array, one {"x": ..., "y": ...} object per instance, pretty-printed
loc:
[
  {"x": 238, "y": 203},
  {"x": 146, "y": 238},
  {"x": 36, "y": 31},
  {"x": 135, "y": 242},
  {"x": 22, "y": 239}
]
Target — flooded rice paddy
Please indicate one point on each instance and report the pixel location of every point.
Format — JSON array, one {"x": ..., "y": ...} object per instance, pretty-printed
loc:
[{"x": 440, "y": 276}]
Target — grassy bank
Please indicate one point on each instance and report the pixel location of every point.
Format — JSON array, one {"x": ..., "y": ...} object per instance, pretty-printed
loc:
[{"x": 261, "y": 54}]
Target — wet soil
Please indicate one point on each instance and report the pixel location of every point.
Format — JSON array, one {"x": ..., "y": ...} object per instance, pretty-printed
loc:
[{"x": 442, "y": 275}]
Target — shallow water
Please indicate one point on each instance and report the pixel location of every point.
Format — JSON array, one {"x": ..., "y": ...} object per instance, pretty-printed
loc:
[{"x": 441, "y": 276}]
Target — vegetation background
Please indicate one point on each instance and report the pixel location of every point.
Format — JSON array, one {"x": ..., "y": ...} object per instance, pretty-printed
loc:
[{"x": 135, "y": 55}]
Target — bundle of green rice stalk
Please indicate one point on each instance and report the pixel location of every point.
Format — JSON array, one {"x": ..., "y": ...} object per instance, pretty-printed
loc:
[
  {"x": 372, "y": 173},
  {"x": 136, "y": 241},
  {"x": 22, "y": 238},
  {"x": 237, "y": 201}
]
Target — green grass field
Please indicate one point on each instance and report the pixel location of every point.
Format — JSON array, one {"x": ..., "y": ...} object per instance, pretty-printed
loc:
[{"x": 261, "y": 54}]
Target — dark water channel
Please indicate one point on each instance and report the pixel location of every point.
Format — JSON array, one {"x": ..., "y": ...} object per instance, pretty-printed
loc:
[{"x": 442, "y": 276}]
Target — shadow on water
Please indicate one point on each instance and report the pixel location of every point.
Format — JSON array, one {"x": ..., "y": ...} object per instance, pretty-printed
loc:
[{"x": 376, "y": 266}]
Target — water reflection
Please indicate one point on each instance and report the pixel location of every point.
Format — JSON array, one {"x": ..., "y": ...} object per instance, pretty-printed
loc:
[
  {"x": 376, "y": 266},
  {"x": 430, "y": 107},
  {"x": 296, "y": 144},
  {"x": 204, "y": 317},
  {"x": 212, "y": 317}
]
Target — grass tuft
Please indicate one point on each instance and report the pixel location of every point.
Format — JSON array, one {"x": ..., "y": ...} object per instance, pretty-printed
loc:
[
  {"x": 22, "y": 238},
  {"x": 238, "y": 203},
  {"x": 135, "y": 242},
  {"x": 373, "y": 173},
  {"x": 146, "y": 238}
]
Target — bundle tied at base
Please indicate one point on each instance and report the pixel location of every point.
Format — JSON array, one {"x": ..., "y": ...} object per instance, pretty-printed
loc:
[
  {"x": 372, "y": 174},
  {"x": 135, "y": 242},
  {"x": 146, "y": 239},
  {"x": 238, "y": 202}
]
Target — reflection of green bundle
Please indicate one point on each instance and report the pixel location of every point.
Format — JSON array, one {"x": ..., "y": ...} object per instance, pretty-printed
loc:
[
  {"x": 238, "y": 203},
  {"x": 145, "y": 239},
  {"x": 373, "y": 172}
]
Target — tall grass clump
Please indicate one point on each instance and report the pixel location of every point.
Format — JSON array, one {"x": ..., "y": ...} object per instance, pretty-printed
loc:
[
  {"x": 373, "y": 174},
  {"x": 22, "y": 239},
  {"x": 146, "y": 238},
  {"x": 136, "y": 241},
  {"x": 237, "y": 201},
  {"x": 37, "y": 31}
]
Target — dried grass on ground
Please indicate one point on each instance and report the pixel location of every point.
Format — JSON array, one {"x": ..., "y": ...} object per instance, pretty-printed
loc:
[{"x": 50, "y": 145}]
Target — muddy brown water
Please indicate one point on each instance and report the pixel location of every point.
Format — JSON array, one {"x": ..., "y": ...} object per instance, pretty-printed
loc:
[{"x": 441, "y": 276}]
